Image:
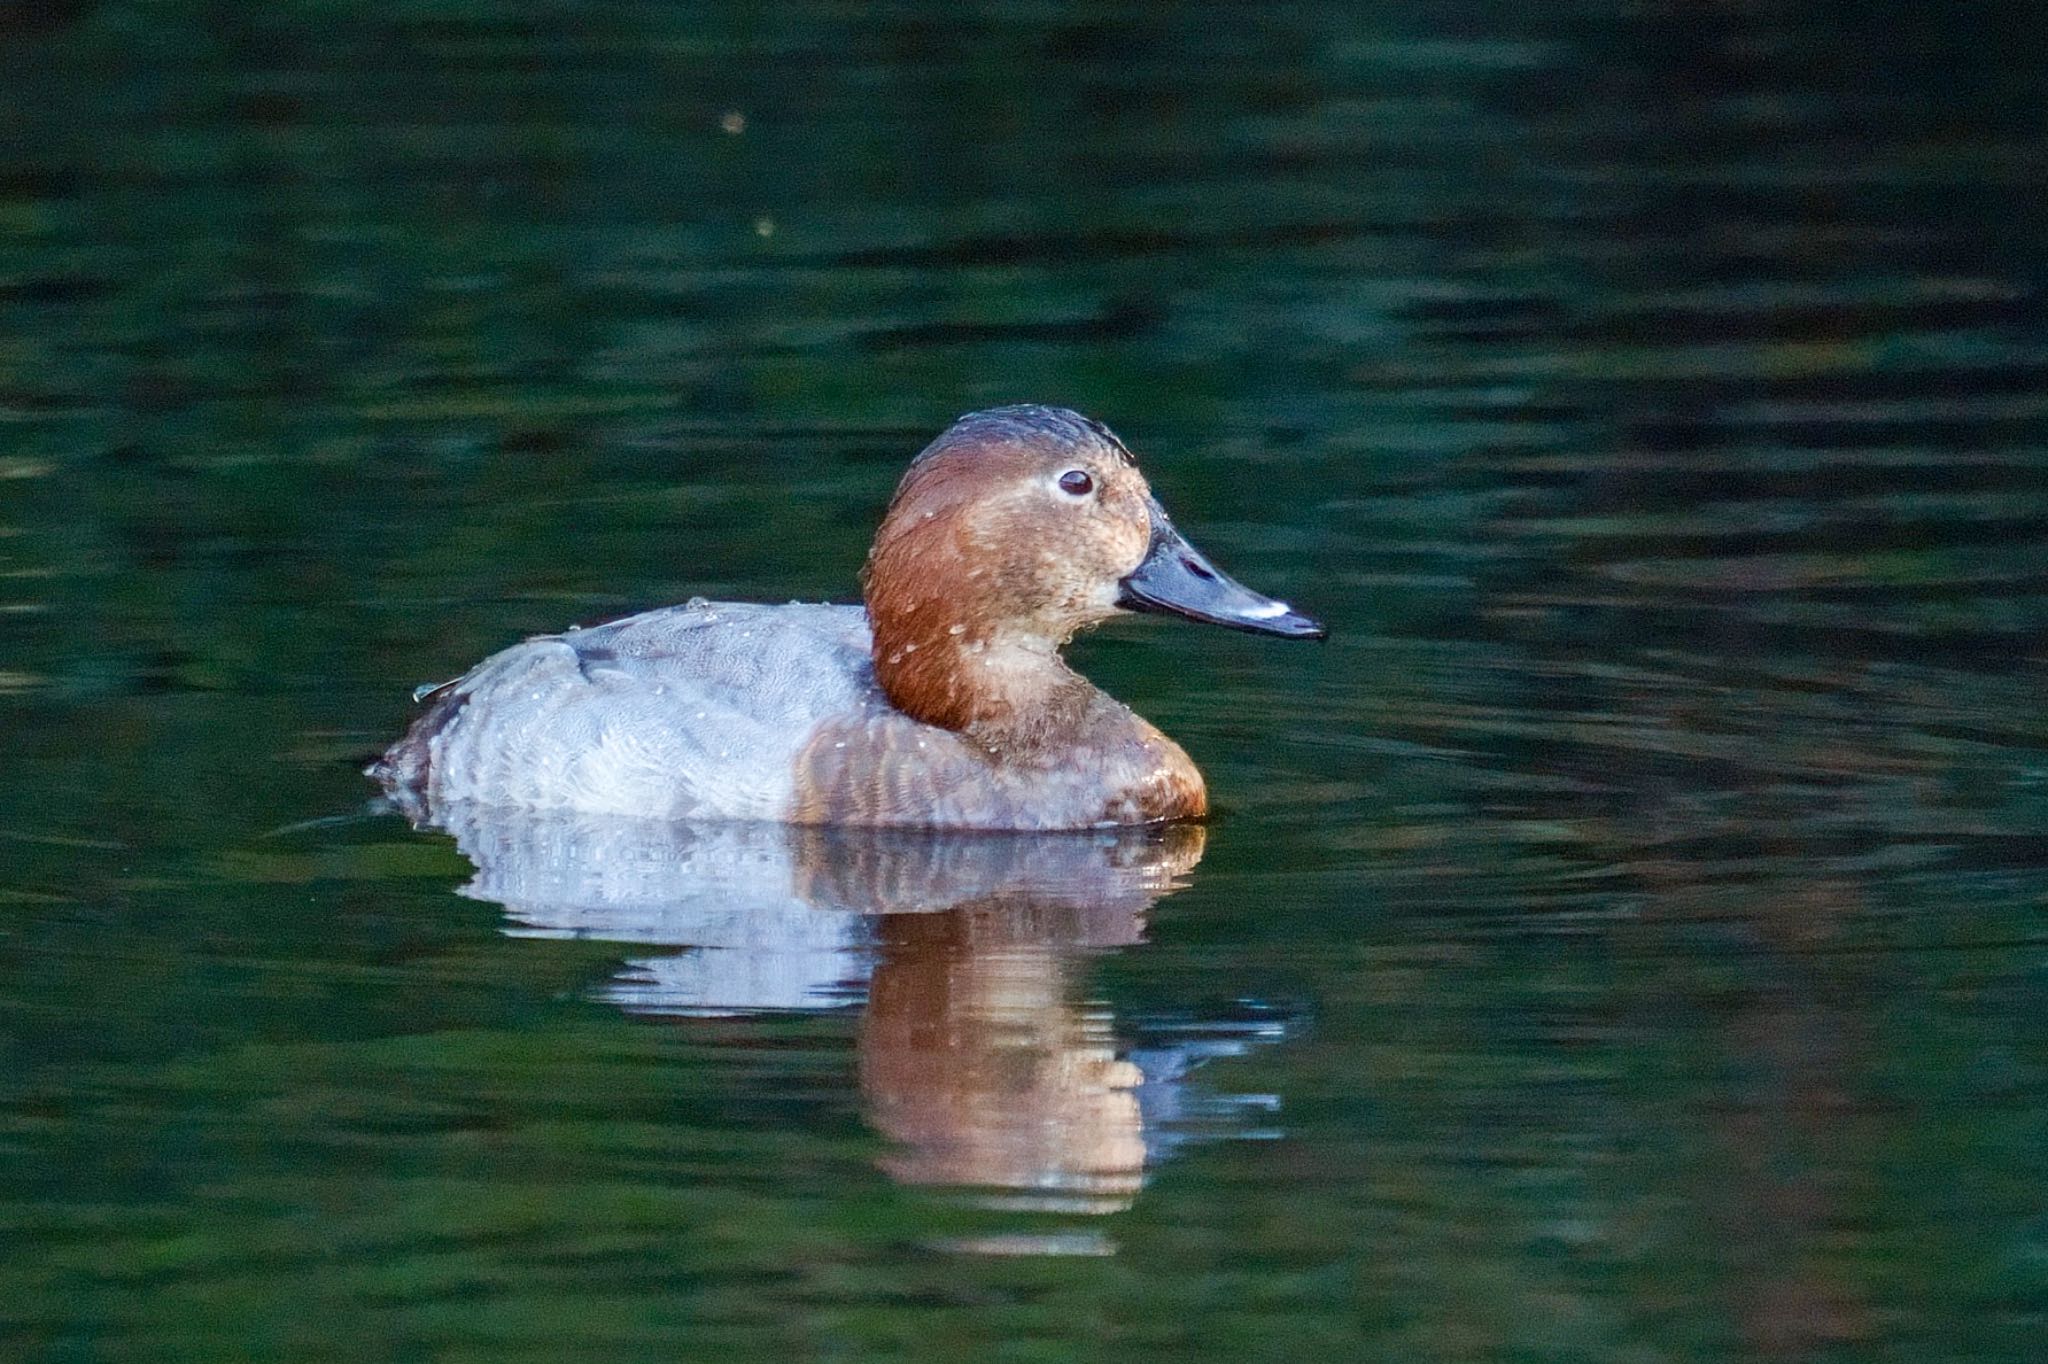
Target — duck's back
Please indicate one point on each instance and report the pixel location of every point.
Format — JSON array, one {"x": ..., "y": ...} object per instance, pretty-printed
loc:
[{"x": 695, "y": 711}]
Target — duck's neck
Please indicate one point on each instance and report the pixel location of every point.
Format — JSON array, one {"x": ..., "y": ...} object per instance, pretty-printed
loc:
[{"x": 1008, "y": 692}]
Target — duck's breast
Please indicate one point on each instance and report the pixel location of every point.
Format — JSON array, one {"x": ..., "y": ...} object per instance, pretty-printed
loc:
[{"x": 694, "y": 711}]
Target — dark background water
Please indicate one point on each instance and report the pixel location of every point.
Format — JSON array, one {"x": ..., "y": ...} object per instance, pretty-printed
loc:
[{"x": 1637, "y": 903}]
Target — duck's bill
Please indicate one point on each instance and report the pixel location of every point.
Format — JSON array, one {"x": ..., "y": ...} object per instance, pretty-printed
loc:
[{"x": 1177, "y": 579}]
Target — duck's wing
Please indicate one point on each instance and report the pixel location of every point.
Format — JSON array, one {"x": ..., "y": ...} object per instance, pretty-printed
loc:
[{"x": 693, "y": 711}]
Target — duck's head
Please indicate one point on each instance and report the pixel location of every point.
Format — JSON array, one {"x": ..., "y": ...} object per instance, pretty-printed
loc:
[{"x": 1017, "y": 527}]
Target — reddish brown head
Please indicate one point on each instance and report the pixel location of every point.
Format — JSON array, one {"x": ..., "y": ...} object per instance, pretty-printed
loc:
[{"x": 1015, "y": 528}]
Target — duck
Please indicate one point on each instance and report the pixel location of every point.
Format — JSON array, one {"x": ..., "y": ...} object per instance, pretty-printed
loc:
[{"x": 941, "y": 701}]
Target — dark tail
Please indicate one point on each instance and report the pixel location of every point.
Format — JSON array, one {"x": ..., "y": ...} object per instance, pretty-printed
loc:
[{"x": 406, "y": 770}]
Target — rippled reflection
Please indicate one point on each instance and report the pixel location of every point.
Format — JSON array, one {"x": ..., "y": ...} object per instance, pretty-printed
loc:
[{"x": 980, "y": 1056}]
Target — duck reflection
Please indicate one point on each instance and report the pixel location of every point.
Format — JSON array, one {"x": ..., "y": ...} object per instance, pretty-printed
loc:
[{"x": 977, "y": 1057}]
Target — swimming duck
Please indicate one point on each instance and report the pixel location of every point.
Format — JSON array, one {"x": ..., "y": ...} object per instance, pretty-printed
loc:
[{"x": 942, "y": 703}]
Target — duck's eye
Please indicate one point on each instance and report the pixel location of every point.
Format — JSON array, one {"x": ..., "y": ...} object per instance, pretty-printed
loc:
[{"x": 1076, "y": 483}]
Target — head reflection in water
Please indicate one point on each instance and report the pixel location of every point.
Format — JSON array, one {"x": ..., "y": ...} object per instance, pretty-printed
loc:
[
  {"x": 976, "y": 1057},
  {"x": 976, "y": 1060}
]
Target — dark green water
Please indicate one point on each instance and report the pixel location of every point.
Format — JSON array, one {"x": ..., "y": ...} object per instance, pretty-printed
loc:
[{"x": 1622, "y": 941}]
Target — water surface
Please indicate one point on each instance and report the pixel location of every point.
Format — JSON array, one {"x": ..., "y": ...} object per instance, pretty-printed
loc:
[{"x": 1621, "y": 941}]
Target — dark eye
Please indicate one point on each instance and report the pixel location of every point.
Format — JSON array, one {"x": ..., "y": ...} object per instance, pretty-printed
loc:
[{"x": 1077, "y": 483}]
